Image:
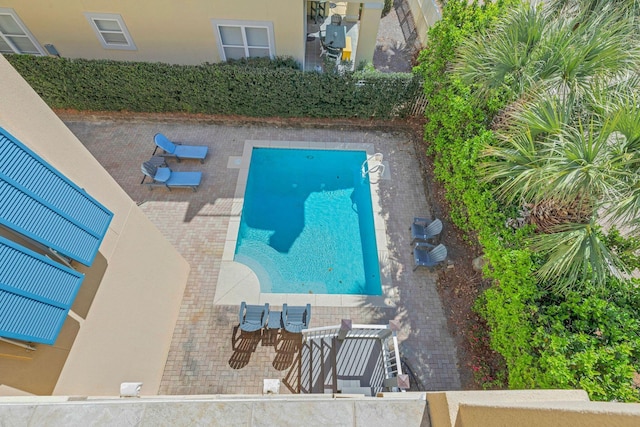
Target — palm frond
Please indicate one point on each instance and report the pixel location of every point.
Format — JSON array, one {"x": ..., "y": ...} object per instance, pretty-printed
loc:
[
  {"x": 500, "y": 59},
  {"x": 574, "y": 254}
]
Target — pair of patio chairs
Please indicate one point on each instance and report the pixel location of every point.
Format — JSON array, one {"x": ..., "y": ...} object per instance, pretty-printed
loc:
[
  {"x": 426, "y": 254},
  {"x": 161, "y": 175},
  {"x": 294, "y": 319}
]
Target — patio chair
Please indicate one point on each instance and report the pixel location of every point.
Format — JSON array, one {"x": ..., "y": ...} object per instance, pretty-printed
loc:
[
  {"x": 171, "y": 149},
  {"x": 295, "y": 319},
  {"x": 333, "y": 52},
  {"x": 424, "y": 229},
  {"x": 323, "y": 47},
  {"x": 426, "y": 255},
  {"x": 166, "y": 177},
  {"x": 253, "y": 317}
]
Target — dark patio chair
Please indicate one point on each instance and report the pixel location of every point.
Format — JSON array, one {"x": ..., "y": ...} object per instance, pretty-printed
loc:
[
  {"x": 425, "y": 229},
  {"x": 333, "y": 52},
  {"x": 426, "y": 255}
]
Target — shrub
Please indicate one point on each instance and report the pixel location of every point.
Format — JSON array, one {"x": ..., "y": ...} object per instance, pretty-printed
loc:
[
  {"x": 590, "y": 340},
  {"x": 257, "y": 88},
  {"x": 388, "y": 4}
]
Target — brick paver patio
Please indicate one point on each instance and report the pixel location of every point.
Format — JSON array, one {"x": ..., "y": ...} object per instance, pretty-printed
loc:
[{"x": 202, "y": 358}]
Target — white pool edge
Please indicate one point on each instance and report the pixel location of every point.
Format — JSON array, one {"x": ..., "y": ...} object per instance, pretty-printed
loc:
[{"x": 236, "y": 282}]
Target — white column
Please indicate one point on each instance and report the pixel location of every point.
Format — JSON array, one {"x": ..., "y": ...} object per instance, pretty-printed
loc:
[
  {"x": 369, "y": 23},
  {"x": 353, "y": 12}
]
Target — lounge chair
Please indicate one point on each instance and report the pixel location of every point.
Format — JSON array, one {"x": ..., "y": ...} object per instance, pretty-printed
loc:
[
  {"x": 166, "y": 177},
  {"x": 253, "y": 317},
  {"x": 426, "y": 255},
  {"x": 179, "y": 151},
  {"x": 425, "y": 229},
  {"x": 295, "y": 319}
]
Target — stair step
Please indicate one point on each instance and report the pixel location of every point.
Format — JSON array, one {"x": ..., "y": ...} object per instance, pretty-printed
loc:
[
  {"x": 357, "y": 390},
  {"x": 342, "y": 384}
]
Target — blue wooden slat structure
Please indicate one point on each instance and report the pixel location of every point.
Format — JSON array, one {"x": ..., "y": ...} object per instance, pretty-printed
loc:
[
  {"x": 40, "y": 203},
  {"x": 36, "y": 294}
]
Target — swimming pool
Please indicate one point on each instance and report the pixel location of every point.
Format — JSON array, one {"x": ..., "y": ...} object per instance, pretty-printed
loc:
[{"x": 307, "y": 223}]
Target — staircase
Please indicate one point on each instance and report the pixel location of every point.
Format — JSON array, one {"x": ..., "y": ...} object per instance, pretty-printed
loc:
[
  {"x": 318, "y": 372},
  {"x": 362, "y": 360}
]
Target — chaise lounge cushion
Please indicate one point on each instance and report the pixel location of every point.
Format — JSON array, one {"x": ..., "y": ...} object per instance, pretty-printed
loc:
[{"x": 198, "y": 152}]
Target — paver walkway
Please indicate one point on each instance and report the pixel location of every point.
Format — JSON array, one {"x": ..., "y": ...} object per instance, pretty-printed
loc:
[
  {"x": 205, "y": 355},
  {"x": 397, "y": 40}
]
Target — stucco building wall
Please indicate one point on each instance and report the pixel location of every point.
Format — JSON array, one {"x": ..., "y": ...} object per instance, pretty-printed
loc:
[
  {"x": 125, "y": 331},
  {"x": 170, "y": 31}
]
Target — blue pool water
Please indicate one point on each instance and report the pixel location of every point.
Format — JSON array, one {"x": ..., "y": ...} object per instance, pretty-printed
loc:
[{"x": 307, "y": 223}]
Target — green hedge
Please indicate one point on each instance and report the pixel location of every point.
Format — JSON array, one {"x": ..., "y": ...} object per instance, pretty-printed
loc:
[
  {"x": 228, "y": 89},
  {"x": 589, "y": 341}
]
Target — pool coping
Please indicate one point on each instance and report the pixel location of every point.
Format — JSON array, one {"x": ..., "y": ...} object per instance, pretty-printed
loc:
[{"x": 236, "y": 282}]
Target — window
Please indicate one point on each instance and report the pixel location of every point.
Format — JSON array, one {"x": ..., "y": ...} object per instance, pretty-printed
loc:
[
  {"x": 111, "y": 31},
  {"x": 244, "y": 39},
  {"x": 14, "y": 36}
]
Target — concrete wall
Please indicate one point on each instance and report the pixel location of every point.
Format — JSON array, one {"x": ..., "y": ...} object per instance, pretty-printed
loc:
[
  {"x": 171, "y": 31},
  {"x": 300, "y": 410},
  {"x": 523, "y": 408},
  {"x": 476, "y": 408},
  {"x": 559, "y": 414},
  {"x": 125, "y": 332}
]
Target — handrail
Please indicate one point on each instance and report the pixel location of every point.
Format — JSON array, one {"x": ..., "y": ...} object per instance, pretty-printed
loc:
[
  {"x": 356, "y": 331},
  {"x": 377, "y": 167},
  {"x": 387, "y": 337},
  {"x": 354, "y": 326}
]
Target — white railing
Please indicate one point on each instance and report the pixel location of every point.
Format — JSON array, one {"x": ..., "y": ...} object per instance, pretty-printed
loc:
[
  {"x": 318, "y": 333},
  {"x": 356, "y": 331},
  {"x": 391, "y": 358},
  {"x": 372, "y": 164},
  {"x": 387, "y": 337}
]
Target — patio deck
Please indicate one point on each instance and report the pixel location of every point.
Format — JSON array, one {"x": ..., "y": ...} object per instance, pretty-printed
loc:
[
  {"x": 313, "y": 61},
  {"x": 205, "y": 356}
]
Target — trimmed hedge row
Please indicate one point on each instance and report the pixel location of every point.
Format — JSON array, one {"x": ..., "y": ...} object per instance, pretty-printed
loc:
[{"x": 227, "y": 89}]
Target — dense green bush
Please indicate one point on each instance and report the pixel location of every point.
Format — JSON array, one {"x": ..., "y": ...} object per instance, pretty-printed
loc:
[
  {"x": 255, "y": 88},
  {"x": 589, "y": 340},
  {"x": 388, "y": 4}
]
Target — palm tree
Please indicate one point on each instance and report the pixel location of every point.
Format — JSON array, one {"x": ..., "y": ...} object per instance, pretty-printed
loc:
[
  {"x": 534, "y": 50},
  {"x": 575, "y": 171},
  {"x": 569, "y": 143}
]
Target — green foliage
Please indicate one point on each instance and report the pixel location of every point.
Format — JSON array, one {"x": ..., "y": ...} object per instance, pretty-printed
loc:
[
  {"x": 388, "y": 4},
  {"x": 509, "y": 308},
  {"x": 563, "y": 142},
  {"x": 262, "y": 62},
  {"x": 627, "y": 248},
  {"x": 591, "y": 342},
  {"x": 456, "y": 127},
  {"x": 588, "y": 340},
  {"x": 256, "y": 88}
]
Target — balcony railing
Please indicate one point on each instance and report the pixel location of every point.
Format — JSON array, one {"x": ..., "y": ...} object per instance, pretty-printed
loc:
[{"x": 394, "y": 379}]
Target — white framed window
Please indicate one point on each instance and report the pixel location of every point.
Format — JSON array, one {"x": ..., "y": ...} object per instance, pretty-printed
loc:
[
  {"x": 14, "y": 35},
  {"x": 111, "y": 30},
  {"x": 244, "y": 39}
]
